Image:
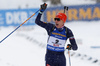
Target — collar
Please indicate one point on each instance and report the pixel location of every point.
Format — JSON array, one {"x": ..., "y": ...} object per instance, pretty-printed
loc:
[{"x": 60, "y": 29}]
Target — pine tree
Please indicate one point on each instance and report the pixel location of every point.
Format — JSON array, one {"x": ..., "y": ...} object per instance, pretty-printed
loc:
[{"x": 53, "y": 2}]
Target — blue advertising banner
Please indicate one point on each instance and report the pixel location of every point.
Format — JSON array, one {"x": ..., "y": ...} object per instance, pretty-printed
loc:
[
  {"x": 75, "y": 13},
  {"x": 16, "y": 17}
]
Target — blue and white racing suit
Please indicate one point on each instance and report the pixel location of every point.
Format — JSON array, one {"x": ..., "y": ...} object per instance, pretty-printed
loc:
[{"x": 56, "y": 43}]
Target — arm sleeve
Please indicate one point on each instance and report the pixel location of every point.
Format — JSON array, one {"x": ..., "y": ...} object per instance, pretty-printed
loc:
[
  {"x": 47, "y": 26},
  {"x": 72, "y": 39},
  {"x": 39, "y": 22}
]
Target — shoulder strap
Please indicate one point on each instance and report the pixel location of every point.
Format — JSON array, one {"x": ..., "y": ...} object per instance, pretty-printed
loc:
[
  {"x": 66, "y": 30},
  {"x": 52, "y": 29}
]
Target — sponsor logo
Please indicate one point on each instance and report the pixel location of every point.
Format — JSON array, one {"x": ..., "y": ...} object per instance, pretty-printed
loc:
[
  {"x": 58, "y": 34},
  {"x": 78, "y": 13},
  {"x": 55, "y": 48}
]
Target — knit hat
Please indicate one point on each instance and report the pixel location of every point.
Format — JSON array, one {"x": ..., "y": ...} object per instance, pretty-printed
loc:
[{"x": 62, "y": 16}]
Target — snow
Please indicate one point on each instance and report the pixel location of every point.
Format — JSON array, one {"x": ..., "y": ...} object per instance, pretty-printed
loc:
[
  {"x": 27, "y": 45},
  {"x": 78, "y": 2},
  {"x": 15, "y": 4}
]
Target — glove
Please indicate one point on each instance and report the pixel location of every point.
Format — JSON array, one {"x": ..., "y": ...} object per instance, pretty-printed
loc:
[
  {"x": 69, "y": 47},
  {"x": 43, "y": 7}
]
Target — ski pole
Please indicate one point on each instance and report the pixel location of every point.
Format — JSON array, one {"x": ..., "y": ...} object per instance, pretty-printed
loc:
[
  {"x": 65, "y": 8},
  {"x": 69, "y": 58},
  {"x": 19, "y": 26}
]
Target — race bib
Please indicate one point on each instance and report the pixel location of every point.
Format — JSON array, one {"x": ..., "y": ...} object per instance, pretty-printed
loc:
[{"x": 56, "y": 44}]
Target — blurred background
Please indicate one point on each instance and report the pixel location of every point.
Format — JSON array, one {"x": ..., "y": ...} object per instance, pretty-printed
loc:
[{"x": 27, "y": 45}]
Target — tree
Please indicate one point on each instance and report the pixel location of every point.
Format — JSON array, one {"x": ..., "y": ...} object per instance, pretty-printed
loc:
[
  {"x": 53, "y": 2},
  {"x": 45, "y": 0},
  {"x": 98, "y": 1}
]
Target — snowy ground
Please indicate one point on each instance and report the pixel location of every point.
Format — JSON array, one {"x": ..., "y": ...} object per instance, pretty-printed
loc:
[{"x": 27, "y": 47}]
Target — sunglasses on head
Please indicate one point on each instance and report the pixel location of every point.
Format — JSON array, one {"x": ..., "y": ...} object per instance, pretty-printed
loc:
[{"x": 58, "y": 19}]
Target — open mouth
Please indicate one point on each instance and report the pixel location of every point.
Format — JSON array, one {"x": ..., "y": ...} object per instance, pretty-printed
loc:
[{"x": 57, "y": 24}]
